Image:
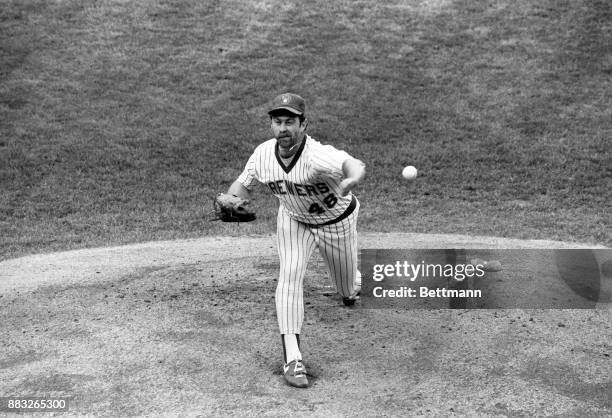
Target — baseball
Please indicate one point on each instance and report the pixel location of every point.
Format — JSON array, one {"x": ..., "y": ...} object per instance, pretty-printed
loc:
[{"x": 409, "y": 172}]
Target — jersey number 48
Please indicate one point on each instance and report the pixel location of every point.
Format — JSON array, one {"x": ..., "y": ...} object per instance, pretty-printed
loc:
[{"x": 330, "y": 201}]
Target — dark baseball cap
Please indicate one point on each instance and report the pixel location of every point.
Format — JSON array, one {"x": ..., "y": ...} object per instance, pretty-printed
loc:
[{"x": 288, "y": 101}]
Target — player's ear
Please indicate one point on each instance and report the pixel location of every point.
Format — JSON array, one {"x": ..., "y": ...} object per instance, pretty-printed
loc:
[{"x": 304, "y": 123}]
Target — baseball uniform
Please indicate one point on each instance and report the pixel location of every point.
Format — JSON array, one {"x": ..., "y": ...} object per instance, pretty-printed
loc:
[{"x": 312, "y": 214}]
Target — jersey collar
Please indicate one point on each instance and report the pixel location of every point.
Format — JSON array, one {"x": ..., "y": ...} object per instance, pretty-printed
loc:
[{"x": 296, "y": 156}]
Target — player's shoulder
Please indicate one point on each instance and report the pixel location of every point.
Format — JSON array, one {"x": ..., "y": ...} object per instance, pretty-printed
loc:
[
  {"x": 266, "y": 146},
  {"x": 324, "y": 150},
  {"x": 317, "y": 145}
]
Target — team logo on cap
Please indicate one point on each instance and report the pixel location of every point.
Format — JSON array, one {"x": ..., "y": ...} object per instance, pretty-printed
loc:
[{"x": 285, "y": 99}]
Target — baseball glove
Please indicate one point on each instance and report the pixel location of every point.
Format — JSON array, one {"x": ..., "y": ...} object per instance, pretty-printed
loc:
[{"x": 231, "y": 208}]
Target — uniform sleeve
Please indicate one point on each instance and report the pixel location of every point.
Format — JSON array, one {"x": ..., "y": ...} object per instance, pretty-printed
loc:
[{"x": 249, "y": 175}]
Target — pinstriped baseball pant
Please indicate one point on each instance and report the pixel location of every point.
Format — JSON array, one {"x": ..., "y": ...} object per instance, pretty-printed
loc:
[{"x": 337, "y": 244}]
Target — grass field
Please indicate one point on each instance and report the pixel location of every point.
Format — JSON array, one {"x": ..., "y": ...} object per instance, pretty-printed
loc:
[{"x": 120, "y": 119}]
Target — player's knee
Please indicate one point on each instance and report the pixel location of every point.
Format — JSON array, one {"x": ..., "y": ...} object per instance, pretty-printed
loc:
[{"x": 287, "y": 293}]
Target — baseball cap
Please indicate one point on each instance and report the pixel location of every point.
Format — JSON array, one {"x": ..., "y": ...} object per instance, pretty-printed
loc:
[{"x": 288, "y": 101}]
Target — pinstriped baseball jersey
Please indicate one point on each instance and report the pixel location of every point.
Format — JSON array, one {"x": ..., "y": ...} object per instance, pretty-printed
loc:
[
  {"x": 312, "y": 214},
  {"x": 307, "y": 185}
]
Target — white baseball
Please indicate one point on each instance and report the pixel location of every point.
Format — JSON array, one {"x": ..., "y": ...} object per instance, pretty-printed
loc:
[{"x": 409, "y": 172}]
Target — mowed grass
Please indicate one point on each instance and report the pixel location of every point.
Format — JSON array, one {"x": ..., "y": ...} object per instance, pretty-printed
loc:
[{"x": 121, "y": 119}]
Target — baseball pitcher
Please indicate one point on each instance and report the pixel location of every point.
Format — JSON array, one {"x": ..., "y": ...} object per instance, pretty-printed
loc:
[{"x": 317, "y": 209}]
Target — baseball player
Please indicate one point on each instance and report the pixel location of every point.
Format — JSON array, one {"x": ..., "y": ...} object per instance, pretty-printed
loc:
[{"x": 317, "y": 209}]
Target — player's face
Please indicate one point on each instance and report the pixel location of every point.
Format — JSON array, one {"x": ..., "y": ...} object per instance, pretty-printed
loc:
[{"x": 288, "y": 131}]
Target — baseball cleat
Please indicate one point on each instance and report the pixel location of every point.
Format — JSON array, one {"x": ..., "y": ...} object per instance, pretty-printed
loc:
[
  {"x": 350, "y": 300},
  {"x": 295, "y": 374},
  {"x": 491, "y": 265}
]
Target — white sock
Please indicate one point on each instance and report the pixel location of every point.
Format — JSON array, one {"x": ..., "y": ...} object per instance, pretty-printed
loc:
[{"x": 292, "y": 350}]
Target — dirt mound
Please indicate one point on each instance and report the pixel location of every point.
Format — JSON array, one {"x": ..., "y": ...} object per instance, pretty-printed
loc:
[{"x": 102, "y": 264}]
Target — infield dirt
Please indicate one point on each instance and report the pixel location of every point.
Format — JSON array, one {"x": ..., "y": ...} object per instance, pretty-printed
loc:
[{"x": 188, "y": 327}]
